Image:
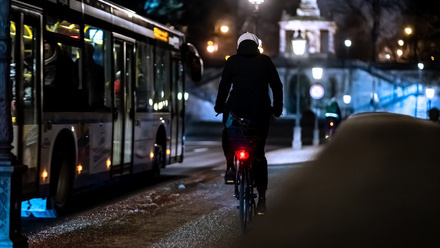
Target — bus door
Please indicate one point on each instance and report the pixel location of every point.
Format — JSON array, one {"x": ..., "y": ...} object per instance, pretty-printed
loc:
[
  {"x": 25, "y": 76},
  {"x": 178, "y": 111},
  {"x": 123, "y": 106}
]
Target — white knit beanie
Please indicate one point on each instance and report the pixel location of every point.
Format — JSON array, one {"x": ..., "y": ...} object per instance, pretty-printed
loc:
[{"x": 247, "y": 36}]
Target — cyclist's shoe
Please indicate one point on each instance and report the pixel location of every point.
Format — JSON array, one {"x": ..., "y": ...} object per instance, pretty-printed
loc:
[
  {"x": 261, "y": 206},
  {"x": 230, "y": 177}
]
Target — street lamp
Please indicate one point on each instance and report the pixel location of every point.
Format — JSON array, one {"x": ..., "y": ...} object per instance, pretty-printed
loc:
[
  {"x": 299, "y": 45},
  {"x": 299, "y": 48},
  {"x": 347, "y": 99},
  {"x": 420, "y": 66},
  {"x": 316, "y": 92},
  {"x": 211, "y": 47},
  {"x": 224, "y": 29},
  {"x": 412, "y": 38},
  {"x": 347, "y": 44},
  {"x": 256, "y": 3},
  {"x": 430, "y": 92},
  {"x": 317, "y": 73}
]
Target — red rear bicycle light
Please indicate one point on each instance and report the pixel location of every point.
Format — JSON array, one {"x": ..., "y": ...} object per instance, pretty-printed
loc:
[{"x": 242, "y": 154}]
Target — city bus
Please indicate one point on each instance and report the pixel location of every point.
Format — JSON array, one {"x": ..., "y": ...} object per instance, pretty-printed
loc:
[{"x": 97, "y": 93}]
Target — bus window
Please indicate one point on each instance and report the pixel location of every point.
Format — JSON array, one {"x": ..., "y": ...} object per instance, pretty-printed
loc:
[
  {"x": 13, "y": 33},
  {"x": 25, "y": 47},
  {"x": 62, "y": 27},
  {"x": 145, "y": 78},
  {"x": 162, "y": 87},
  {"x": 94, "y": 77},
  {"x": 95, "y": 37},
  {"x": 28, "y": 74},
  {"x": 61, "y": 79}
]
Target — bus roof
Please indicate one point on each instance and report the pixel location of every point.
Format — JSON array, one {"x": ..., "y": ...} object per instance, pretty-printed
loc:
[{"x": 117, "y": 15}]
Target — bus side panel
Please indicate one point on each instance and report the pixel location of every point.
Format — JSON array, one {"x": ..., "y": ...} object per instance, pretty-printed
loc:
[
  {"x": 94, "y": 149},
  {"x": 144, "y": 139},
  {"x": 100, "y": 141}
]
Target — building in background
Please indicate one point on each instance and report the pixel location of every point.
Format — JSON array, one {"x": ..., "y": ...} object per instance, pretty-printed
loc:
[
  {"x": 357, "y": 86},
  {"x": 318, "y": 32}
]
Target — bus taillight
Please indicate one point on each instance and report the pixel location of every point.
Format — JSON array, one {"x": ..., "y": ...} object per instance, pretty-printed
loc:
[
  {"x": 109, "y": 163},
  {"x": 44, "y": 175}
]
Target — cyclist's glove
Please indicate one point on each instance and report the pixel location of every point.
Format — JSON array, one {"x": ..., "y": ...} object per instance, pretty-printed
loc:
[{"x": 218, "y": 109}]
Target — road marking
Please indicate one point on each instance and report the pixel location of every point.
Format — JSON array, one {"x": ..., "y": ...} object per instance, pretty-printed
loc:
[{"x": 204, "y": 149}]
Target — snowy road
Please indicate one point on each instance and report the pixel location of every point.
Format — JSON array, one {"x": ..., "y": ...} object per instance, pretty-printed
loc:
[{"x": 190, "y": 207}]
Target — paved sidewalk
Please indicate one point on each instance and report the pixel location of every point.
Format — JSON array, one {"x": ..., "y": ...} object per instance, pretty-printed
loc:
[{"x": 291, "y": 156}]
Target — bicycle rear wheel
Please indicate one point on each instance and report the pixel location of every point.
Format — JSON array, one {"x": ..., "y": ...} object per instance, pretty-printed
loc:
[
  {"x": 247, "y": 203},
  {"x": 243, "y": 203}
]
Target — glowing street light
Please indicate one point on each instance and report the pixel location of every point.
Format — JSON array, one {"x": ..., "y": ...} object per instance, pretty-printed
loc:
[
  {"x": 210, "y": 47},
  {"x": 430, "y": 92},
  {"x": 316, "y": 92},
  {"x": 299, "y": 44},
  {"x": 346, "y": 98},
  {"x": 347, "y": 44},
  {"x": 408, "y": 30},
  {"x": 317, "y": 73},
  {"x": 224, "y": 29},
  {"x": 299, "y": 48},
  {"x": 256, "y": 3},
  {"x": 421, "y": 66}
]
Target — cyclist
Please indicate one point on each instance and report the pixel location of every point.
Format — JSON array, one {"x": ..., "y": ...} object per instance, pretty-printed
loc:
[
  {"x": 332, "y": 116},
  {"x": 250, "y": 74}
]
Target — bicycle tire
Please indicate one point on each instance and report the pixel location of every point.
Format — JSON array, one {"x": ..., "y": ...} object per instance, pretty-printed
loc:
[
  {"x": 250, "y": 201},
  {"x": 243, "y": 203}
]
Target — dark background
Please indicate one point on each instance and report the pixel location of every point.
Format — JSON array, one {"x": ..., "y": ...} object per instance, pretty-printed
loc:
[{"x": 365, "y": 22}]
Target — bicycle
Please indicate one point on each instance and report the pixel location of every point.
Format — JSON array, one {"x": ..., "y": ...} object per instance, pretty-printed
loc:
[
  {"x": 243, "y": 138},
  {"x": 332, "y": 122}
]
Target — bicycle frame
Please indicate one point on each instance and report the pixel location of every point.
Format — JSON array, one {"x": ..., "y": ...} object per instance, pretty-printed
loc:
[{"x": 242, "y": 134}]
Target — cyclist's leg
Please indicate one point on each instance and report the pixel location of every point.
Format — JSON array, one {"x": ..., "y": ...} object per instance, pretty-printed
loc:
[
  {"x": 260, "y": 174},
  {"x": 229, "y": 155},
  {"x": 261, "y": 180},
  {"x": 260, "y": 161},
  {"x": 227, "y": 150},
  {"x": 260, "y": 169}
]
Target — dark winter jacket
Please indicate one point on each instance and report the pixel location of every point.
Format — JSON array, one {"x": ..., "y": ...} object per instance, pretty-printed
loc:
[{"x": 250, "y": 74}]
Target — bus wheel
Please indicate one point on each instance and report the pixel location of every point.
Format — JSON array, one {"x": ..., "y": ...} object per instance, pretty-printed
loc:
[
  {"x": 158, "y": 161},
  {"x": 62, "y": 187}
]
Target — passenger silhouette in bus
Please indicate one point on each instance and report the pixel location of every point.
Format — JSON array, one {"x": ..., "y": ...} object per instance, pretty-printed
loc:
[
  {"x": 58, "y": 78},
  {"x": 94, "y": 78},
  {"x": 57, "y": 66}
]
